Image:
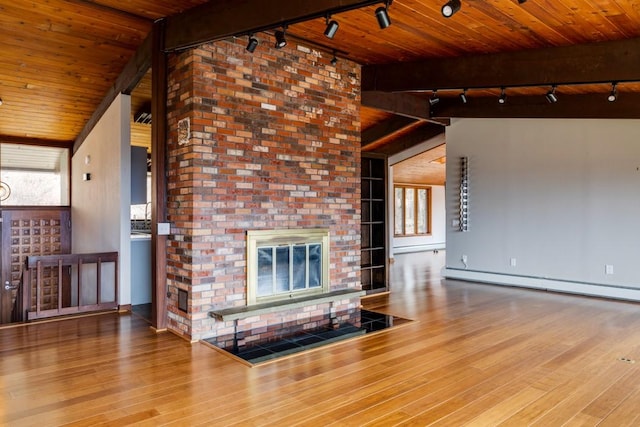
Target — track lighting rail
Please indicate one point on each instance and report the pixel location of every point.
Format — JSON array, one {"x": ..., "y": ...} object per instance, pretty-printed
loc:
[
  {"x": 551, "y": 96},
  {"x": 247, "y": 17},
  {"x": 332, "y": 26}
]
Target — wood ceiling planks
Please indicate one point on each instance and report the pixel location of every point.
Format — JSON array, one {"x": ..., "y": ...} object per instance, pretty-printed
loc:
[
  {"x": 60, "y": 57},
  {"x": 426, "y": 168},
  {"x": 149, "y": 9},
  {"x": 58, "y": 60}
]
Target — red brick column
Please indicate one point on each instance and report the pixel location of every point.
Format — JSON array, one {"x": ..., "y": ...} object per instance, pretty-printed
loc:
[{"x": 274, "y": 143}]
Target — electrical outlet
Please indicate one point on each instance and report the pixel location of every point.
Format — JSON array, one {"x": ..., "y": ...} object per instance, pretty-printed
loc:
[
  {"x": 608, "y": 269},
  {"x": 514, "y": 262},
  {"x": 164, "y": 228}
]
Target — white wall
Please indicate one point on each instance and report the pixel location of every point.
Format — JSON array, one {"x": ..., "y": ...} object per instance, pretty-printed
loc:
[
  {"x": 437, "y": 238},
  {"x": 558, "y": 196},
  {"x": 100, "y": 207}
]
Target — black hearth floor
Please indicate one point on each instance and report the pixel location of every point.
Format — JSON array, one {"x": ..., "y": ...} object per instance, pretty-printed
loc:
[{"x": 257, "y": 353}]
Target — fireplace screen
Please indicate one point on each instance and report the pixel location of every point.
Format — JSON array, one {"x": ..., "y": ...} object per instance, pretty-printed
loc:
[
  {"x": 286, "y": 263},
  {"x": 288, "y": 268}
]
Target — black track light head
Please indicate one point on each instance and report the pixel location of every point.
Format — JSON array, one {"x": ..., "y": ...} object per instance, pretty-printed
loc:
[
  {"x": 434, "y": 98},
  {"x": 334, "y": 60},
  {"x": 281, "y": 40},
  {"x": 522, "y": 1},
  {"x": 613, "y": 95},
  {"x": 503, "y": 97},
  {"x": 551, "y": 95},
  {"x": 252, "y": 44},
  {"x": 463, "y": 96},
  {"x": 332, "y": 28},
  {"x": 450, "y": 8},
  {"x": 382, "y": 14}
]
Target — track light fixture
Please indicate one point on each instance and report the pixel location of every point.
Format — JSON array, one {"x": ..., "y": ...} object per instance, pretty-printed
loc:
[
  {"x": 613, "y": 95},
  {"x": 551, "y": 95},
  {"x": 463, "y": 96},
  {"x": 522, "y": 1},
  {"x": 450, "y": 8},
  {"x": 503, "y": 97},
  {"x": 334, "y": 60},
  {"x": 281, "y": 40},
  {"x": 383, "y": 15},
  {"x": 0, "y": 101},
  {"x": 434, "y": 98},
  {"x": 332, "y": 28},
  {"x": 252, "y": 44}
]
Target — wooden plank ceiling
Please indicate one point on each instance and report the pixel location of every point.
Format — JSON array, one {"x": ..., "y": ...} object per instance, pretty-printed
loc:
[{"x": 61, "y": 57}]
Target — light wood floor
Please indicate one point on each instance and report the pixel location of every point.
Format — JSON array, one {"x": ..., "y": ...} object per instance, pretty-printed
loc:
[{"x": 477, "y": 355}]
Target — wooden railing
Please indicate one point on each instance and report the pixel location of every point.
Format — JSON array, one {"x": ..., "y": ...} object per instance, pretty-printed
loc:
[{"x": 71, "y": 294}]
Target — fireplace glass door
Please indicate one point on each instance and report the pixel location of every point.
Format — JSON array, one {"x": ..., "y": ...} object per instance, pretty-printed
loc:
[
  {"x": 289, "y": 268},
  {"x": 284, "y": 264}
]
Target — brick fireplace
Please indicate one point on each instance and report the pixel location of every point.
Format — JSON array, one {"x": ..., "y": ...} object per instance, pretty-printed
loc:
[{"x": 262, "y": 141}]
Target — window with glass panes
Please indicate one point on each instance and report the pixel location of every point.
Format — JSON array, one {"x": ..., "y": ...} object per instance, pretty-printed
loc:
[{"x": 412, "y": 207}]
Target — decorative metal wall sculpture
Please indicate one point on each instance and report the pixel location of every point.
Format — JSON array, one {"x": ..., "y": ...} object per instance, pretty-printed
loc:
[{"x": 464, "y": 194}]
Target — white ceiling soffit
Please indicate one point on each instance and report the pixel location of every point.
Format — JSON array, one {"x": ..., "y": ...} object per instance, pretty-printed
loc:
[{"x": 31, "y": 157}]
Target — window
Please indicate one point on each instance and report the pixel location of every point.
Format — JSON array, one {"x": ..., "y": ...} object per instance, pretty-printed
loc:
[
  {"x": 412, "y": 210},
  {"x": 33, "y": 175},
  {"x": 283, "y": 264}
]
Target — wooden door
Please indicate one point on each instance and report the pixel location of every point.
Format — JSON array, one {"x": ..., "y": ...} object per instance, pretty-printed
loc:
[
  {"x": 25, "y": 232},
  {"x": 5, "y": 284}
]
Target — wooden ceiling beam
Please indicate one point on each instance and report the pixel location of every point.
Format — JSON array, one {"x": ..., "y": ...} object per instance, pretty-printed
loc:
[
  {"x": 133, "y": 72},
  {"x": 423, "y": 133},
  {"x": 221, "y": 19},
  {"x": 583, "y": 106},
  {"x": 385, "y": 128},
  {"x": 402, "y": 104},
  {"x": 602, "y": 62}
]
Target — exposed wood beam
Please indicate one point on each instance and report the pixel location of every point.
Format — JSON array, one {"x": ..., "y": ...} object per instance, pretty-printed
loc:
[
  {"x": 400, "y": 103},
  {"x": 424, "y": 133},
  {"x": 392, "y": 137},
  {"x": 216, "y": 20},
  {"x": 385, "y": 128},
  {"x": 587, "y": 106},
  {"x": 159, "y": 75},
  {"x": 580, "y": 64},
  {"x": 131, "y": 75}
]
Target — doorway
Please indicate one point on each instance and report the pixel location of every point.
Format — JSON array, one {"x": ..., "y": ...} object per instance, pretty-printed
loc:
[
  {"x": 141, "y": 208},
  {"x": 34, "y": 220}
]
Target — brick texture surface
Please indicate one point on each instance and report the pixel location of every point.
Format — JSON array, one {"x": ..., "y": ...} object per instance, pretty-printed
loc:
[{"x": 274, "y": 144}]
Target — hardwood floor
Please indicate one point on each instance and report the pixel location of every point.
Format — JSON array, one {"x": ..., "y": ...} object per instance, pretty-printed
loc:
[{"x": 477, "y": 355}]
